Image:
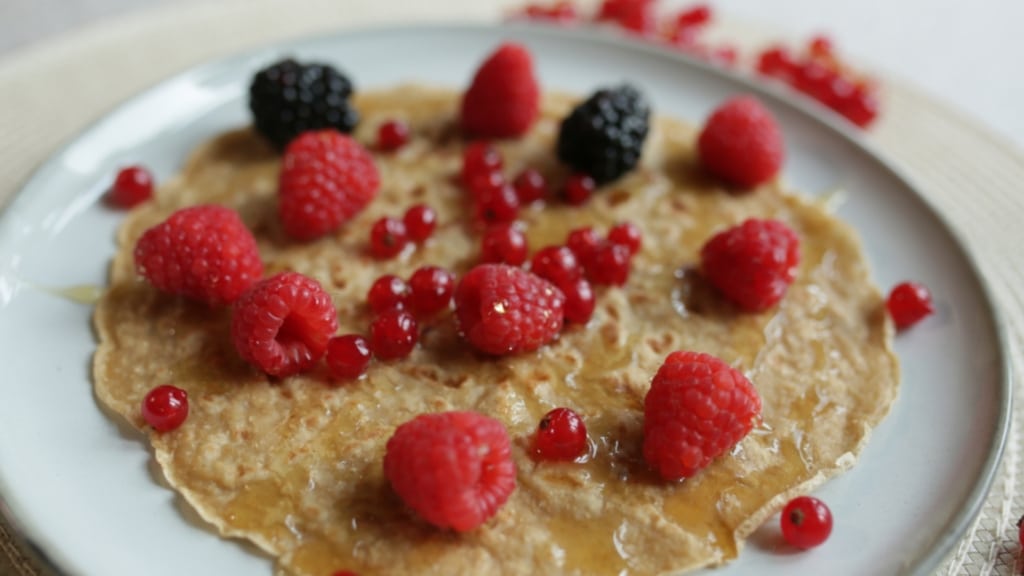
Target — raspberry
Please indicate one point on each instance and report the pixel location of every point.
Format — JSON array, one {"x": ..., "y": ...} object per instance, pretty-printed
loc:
[
  {"x": 326, "y": 179},
  {"x": 132, "y": 186},
  {"x": 741, "y": 143},
  {"x": 432, "y": 290},
  {"x": 697, "y": 409},
  {"x": 504, "y": 99},
  {"x": 289, "y": 98},
  {"x": 579, "y": 188},
  {"x": 579, "y": 301},
  {"x": 480, "y": 158},
  {"x": 420, "y": 221},
  {"x": 908, "y": 304},
  {"x": 556, "y": 264},
  {"x": 806, "y": 522},
  {"x": 505, "y": 310},
  {"x": 165, "y": 408},
  {"x": 530, "y": 186},
  {"x": 503, "y": 243},
  {"x": 348, "y": 356},
  {"x": 392, "y": 135},
  {"x": 583, "y": 242},
  {"x": 388, "y": 292},
  {"x": 454, "y": 469},
  {"x": 393, "y": 334},
  {"x": 561, "y": 435},
  {"x": 627, "y": 234},
  {"x": 604, "y": 136},
  {"x": 609, "y": 264},
  {"x": 752, "y": 264},
  {"x": 497, "y": 205},
  {"x": 388, "y": 237},
  {"x": 283, "y": 323},
  {"x": 202, "y": 252}
]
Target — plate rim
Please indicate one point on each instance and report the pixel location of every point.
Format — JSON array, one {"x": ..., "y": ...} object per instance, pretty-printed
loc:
[{"x": 35, "y": 546}]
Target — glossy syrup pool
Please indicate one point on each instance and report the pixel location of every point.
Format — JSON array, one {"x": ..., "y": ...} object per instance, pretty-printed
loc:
[{"x": 295, "y": 465}]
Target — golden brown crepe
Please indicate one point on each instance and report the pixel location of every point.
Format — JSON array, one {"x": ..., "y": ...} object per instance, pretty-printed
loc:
[{"x": 295, "y": 465}]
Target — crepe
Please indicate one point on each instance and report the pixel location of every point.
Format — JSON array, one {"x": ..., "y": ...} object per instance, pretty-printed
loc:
[{"x": 295, "y": 465}]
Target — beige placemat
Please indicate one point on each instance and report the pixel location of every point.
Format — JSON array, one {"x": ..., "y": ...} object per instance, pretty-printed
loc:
[{"x": 51, "y": 92}]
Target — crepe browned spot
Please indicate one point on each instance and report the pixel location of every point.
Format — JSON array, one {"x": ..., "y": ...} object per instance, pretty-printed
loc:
[{"x": 295, "y": 465}]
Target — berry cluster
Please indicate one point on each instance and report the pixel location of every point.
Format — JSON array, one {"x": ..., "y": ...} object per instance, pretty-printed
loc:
[
  {"x": 389, "y": 235},
  {"x": 819, "y": 73}
]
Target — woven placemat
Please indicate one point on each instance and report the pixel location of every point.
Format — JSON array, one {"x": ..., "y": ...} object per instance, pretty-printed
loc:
[{"x": 972, "y": 176}]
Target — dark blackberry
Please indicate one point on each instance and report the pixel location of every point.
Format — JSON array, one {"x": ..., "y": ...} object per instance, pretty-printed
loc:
[
  {"x": 604, "y": 136},
  {"x": 288, "y": 98}
]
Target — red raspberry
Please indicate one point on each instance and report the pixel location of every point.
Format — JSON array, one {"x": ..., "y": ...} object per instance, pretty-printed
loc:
[
  {"x": 561, "y": 435},
  {"x": 503, "y": 243},
  {"x": 504, "y": 99},
  {"x": 132, "y": 186},
  {"x": 556, "y": 264},
  {"x": 480, "y": 158},
  {"x": 348, "y": 356},
  {"x": 752, "y": 264},
  {"x": 530, "y": 186},
  {"x": 420, "y": 221},
  {"x": 454, "y": 469},
  {"x": 389, "y": 292},
  {"x": 579, "y": 301},
  {"x": 283, "y": 323},
  {"x": 388, "y": 237},
  {"x": 326, "y": 179},
  {"x": 583, "y": 242},
  {"x": 393, "y": 335},
  {"x": 908, "y": 304},
  {"x": 741, "y": 143},
  {"x": 806, "y": 522},
  {"x": 697, "y": 409},
  {"x": 202, "y": 252},
  {"x": 627, "y": 234},
  {"x": 392, "y": 135},
  {"x": 505, "y": 310},
  {"x": 165, "y": 408},
  {"x": 432, "y": 290}
]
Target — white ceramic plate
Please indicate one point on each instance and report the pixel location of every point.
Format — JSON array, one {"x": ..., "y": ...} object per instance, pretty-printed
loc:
[{"x": 80, "y": 486}]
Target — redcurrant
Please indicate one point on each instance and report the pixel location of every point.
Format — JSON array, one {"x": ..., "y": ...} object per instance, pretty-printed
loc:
[
  {"x": 420, "y": 221},
  {"x": 503, "y": 243},
  {"x": 583, "y": 242},
  {"x": 165, "y": 408},
  {"x": 348, "y": 356},
  {"x": 479, "y": 158},
  {"x": 530, "y": 186},
  {"x": 557, "y": 264},
  {"x": 393, "y": 335},
  {"x": 609, "y": 264},
  {"x": 387, "y": 238},
  {"x": 908, "y": 304},
  {"x": 579, "y": 188},
  {"x": 627, "y": 234},
  {"x": 579, "y": 301},
  {"x": 132, "y": 186},
  {"x": 806, "y": 522},
  {"x": 388, "y": 292},
  {"x": 432, "y": 289},
  {"x": 561, "y": 435},
  {"x": 497, "y": 205},
  {"x": 392, "y": 135}
]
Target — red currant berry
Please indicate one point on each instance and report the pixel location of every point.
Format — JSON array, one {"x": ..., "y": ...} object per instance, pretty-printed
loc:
[
  {"x": 724, "y": 55},
  {"x": 530, "y": 186},
  {"x": 420, "y": 221},
  {"x": 348, "y": 356},
  {"x": 393, "y": 334},
  {"x": 485, "y": 183},
  {"x": 815, "y": 80},
  {"x": 388, "y": 292},
  {"x": 392, "y": 135},
  {"x": 432, "y": 289},
  {"x": 806, "y": 522},
  {"x": 609, "y": 264},
  {"x": 583, "y": 242},
  {"x": 500, "y": 205},
  {"x": 696, "y": 16},
  {"x": 557, "y": 264},
  {"x": 627, "y": 234},
  {"x": 387, "y": 238},
  {"x": 820, "y": 46},
  {"x": 561, "y": 435},
  {"x": 579, "y": 188},
  {"x": 908, "y": 304},
  {"x": 165, "y": 408},
  {"x": 132, "y": 186},
  {"x": 579, "y": 301},
  {"x": 503, "y": 243},
  {"x": 480, "y": 158},
  {"x": 776, "y": 62},
  {"x": 861, "y": 107}
]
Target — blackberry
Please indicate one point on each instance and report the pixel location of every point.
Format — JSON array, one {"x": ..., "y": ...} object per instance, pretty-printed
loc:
[
  {"x": 604, "y": 136},
  {"x": 288, "y": 98}
]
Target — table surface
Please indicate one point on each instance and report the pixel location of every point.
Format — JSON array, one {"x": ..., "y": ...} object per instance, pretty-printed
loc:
[
  {"x": 953, "y": 140},
  {"x": 963, "y": 53}
]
